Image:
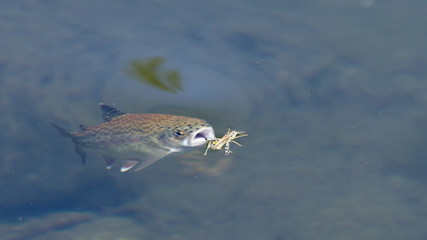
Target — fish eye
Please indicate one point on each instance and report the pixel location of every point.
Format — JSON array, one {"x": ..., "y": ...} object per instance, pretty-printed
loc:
[{"x": 179, "y": 133}]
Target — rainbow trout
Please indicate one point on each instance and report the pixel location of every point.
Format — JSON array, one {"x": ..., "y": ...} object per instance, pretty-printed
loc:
[{"x": 138, "y": 139}]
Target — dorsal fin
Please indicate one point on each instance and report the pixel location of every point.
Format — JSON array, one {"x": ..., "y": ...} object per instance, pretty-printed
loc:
[{"x": 109, "y": 112}]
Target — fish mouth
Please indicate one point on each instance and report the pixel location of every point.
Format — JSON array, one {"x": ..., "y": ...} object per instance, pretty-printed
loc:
[{"x": 199, "y": 137}]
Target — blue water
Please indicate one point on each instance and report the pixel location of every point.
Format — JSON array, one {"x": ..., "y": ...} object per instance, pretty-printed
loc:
[{"x": 332, "y": 95}]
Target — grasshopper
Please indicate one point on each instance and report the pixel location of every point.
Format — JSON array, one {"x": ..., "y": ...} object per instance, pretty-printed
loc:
[{"x": 219, "y": 143}]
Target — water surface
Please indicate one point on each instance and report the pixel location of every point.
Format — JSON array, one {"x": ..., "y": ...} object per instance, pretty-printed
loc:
[{"x": 332, "y": 95}]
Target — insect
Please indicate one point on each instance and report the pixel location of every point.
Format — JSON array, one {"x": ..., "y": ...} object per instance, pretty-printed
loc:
[{"x": 224, "y": 142}]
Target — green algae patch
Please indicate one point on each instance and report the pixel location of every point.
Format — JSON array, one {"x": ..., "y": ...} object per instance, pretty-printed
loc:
[{"x": 152, "y": 73}]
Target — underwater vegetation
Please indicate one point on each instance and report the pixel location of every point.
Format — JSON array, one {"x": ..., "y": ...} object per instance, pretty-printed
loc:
[{"x": 151, "y": 73}]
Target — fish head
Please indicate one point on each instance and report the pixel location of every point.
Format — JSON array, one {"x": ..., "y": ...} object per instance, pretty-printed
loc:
[{"x": 184, "y": 132}]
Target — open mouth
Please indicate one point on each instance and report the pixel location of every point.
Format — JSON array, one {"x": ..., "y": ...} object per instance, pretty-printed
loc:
[
  {"x": 200, "y": 137},
  {"x": 204, "y": 134}
]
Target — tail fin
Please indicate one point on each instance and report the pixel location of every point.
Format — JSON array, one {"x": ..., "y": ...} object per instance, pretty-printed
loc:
[
  {"x": 66, "y": 133},
  {"x": 62, "y": 130}
]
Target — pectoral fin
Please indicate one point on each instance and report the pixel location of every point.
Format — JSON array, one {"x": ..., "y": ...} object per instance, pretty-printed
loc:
[
  {"x": 150, "y": 159},
  {"x": 145, "y": 160}
]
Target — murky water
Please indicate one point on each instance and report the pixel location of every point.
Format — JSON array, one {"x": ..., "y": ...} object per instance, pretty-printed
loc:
[{"x": 332, "y": 95}]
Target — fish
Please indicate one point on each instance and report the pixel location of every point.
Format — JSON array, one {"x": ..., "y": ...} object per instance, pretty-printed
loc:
[{"x": 138, "y": 140}]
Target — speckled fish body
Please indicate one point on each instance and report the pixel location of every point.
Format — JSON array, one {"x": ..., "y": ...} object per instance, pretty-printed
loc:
[{"x": 139, "y": 139}]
